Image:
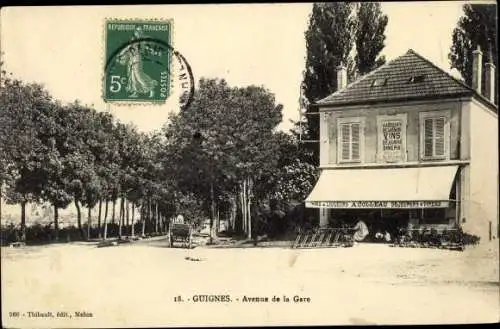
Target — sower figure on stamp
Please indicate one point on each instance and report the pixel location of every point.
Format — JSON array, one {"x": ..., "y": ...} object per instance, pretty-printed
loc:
[{"x": 138, "y": 82}]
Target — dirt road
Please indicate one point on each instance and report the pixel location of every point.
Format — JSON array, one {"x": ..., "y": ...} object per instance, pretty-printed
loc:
[{"x": 136, "y": 284}]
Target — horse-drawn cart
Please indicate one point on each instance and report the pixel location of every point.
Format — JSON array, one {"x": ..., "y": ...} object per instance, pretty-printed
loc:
[{"x": 179, "y": 231}]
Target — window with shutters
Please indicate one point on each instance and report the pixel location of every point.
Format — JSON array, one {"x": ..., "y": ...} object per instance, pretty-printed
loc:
[
  {"x": 434, "y": 135},
  {"x": 350, "y": 139}
]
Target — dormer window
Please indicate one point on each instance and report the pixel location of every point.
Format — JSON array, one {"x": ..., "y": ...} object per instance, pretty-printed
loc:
[
  {"x": 417, "y": 78},
  {"x": 379, "y": 82}
]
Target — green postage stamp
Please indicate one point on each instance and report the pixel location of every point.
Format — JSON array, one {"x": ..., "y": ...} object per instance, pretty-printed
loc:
[{"x": 137, "y": 62}]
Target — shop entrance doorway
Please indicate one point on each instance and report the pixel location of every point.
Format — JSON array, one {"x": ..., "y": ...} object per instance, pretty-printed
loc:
[{"x": 379, "y": 221}]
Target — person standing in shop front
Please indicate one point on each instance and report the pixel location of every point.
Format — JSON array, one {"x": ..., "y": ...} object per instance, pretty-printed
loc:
[{"x": 361, "y": 230}]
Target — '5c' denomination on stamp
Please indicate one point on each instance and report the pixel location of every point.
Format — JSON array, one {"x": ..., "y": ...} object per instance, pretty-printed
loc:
[{"x": 136, "y": 69}]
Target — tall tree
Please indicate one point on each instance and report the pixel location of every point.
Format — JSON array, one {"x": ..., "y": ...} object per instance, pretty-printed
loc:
[
  {"x": 329, "y": 42},
  {"x": 75, "y": 140},
  {"x": 105, "y": 155},
  {"x": 222, "y": 144},
  {"x": 333, "y": 30},
  {"x": 477, "y": 27},
  {"x": 53, "y": 131},
  {"x": 26, "y": 153},
  {"x": 370, "y": 37}
]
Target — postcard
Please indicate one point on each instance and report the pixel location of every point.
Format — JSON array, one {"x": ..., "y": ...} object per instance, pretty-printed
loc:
[{"x": 249, "y": 164}]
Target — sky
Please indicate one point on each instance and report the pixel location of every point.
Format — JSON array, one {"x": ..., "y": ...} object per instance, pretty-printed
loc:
[{"x": 261, "y": 44}]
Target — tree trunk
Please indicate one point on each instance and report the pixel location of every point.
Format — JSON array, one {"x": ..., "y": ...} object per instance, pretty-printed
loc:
[
  {"x": 128, "y": 215},
  {"x": 120, "y": 217},
  {"x": 56, "y": 223},
  {"x": 156, "y": 217},
  {"x": 106, "y": 220},
  {"x": 162, "y": 223},
  {"x": 212, "y": 210},
  {"x": 234, "y": 201},
  {"x": 114, "y": 211},
  {"x": 243, "y": 208},
  {"x": 79, "y": 218},
  {"x": 217, "y": 221},
  {"x": 240, "y": 208},
  {"x": 143, "y": 218},
  {"x": 133, "y": 218},
  {"x": 105, "y": 233},
  {"x": 89, "y": 221},
  {"x": 244, "y": 205},
  {"x": 230, "y": 215},
  {"x": 99, "y": 219},
  {"x": 249, "y": 214},
  {"x": 23, "y": 221},
  {"x": 150, "y": 213},
  {"x": 161, "y": 220},
  {"x": 230, "y": 226}
]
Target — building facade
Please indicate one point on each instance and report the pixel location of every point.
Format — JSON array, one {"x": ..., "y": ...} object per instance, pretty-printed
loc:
[{"x": 409, "y": 145}]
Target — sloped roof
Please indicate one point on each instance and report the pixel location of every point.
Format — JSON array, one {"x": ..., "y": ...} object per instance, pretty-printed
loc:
[{"x": 398, "y": 72}]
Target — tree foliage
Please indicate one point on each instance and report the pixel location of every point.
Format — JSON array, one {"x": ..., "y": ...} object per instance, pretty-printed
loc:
[
  {"x": 476, "y": 27},
  {"x": 329, "y": 41},
  {"x": 370, "y": 37},
  {"x": 337, "y": 35},
  {"x": 223, "y": 141},
  {"x": 220, "y": 158}
]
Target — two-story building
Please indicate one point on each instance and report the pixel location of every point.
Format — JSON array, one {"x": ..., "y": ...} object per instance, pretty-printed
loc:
[{"x": 410, "y": 144}]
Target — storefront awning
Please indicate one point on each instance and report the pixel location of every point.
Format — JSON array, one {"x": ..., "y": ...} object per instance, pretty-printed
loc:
[{"x": 425, "y": 187}]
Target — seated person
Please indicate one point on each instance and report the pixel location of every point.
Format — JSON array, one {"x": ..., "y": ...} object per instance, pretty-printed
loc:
[
  {"x": 387, "y": 237},
  {"x": 361, "y": 231}
]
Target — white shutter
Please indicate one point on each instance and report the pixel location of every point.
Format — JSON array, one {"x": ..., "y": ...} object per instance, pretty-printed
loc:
[
  {"x": 350, "y": 139},
  {"x": 435, "y": 134},
  {"x": 355, "y": 127},
  {"x": 439, "y": 136},
  {"x": 345, "y": 137},
  {"x": 428, "y": 137}
]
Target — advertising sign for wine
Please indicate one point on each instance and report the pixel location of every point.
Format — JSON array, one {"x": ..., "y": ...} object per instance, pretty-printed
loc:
[{"x": 392, "y": 135}]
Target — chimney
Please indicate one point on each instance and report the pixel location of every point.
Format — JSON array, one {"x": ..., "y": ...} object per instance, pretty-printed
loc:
[
  {"x": 341, "y": 77},
  {"x": 489, "y": 81},
  {"x": 477, "y": 65}
]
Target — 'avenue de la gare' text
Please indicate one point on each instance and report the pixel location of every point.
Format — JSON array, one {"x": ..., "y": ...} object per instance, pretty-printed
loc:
[{"x": 246, "y": 299}]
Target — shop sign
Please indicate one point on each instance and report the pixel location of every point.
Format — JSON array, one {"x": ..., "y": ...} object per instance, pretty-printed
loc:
[
  {"x": 377, "y": 204},
  {"x": 392, "y": 133}
]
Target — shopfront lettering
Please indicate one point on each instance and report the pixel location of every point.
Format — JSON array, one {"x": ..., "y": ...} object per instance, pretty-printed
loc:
[
  {"x": 378, "y": 204},
  {"x": 369, "y": 204}
]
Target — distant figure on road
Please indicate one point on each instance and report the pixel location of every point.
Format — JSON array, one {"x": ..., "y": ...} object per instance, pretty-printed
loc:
[{"x": 361, "y": 231}]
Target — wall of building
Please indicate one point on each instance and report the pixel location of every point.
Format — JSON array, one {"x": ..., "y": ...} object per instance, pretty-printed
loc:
[
  {"x": 482, "y": 175},
  {"x": 328, "y": 128},
  {"x": 463, "y": 182},
  {"x": 328, "y": 134}
]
